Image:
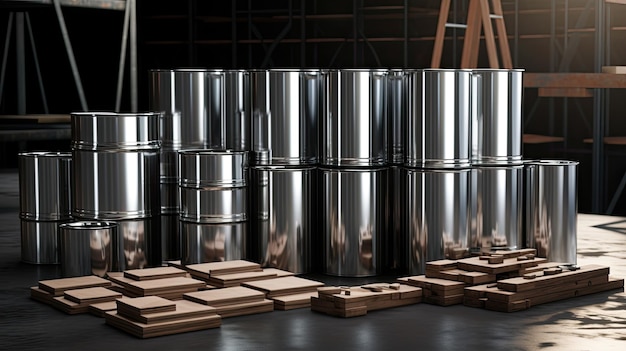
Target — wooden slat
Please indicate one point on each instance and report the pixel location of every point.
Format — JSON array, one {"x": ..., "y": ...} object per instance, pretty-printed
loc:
[
  {"x": 91, "y": 295},
  {"x": 614, "y": 69},
  {"x": 57, "y": 286},
  {"x": 138, "y": 306},
  {"x": 154, "y": 273},
  {"x": 574, "y": 80},
  {"x": 226, "y": 296},
  {"x": 540, "y": 139},
  {"x": 521, "y": 284},
  {"x": 284, "y": 286},
  {"x": 142, "y": 330},
  {"x": 444, "y": 10},
  {"x": 565, "y": 92},
  {"x": 183, "y": 309}
]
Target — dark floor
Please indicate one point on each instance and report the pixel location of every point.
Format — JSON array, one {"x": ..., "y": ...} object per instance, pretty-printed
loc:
[{"x": 595, "y": 322}]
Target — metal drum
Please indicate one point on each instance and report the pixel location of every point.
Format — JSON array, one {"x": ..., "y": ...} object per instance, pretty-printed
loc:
[
  {"x": 137, "y": 246},
  {"x": 552, "y": 209},
  {"x": 286, "y": 106},
  {"x": 437, "y": 217},
  {"x": 438, "y": 118},
  {"x": 213, "y": 186},
  {"x": 496, "y": 116},
  {"x": 45, "y": 202},
  {"x": 213, "y": 104},
  {"x": 86, "y": 248},
  {"x": 395, "y": 244},
  {"x": 282, "y": 213},
  {"x": 353, "y": 220},
  {"x": 213, "y": 242},
  {"x": 497, "y": 208},
  {"x": 397, "y": 107},
  {"x": 115, "y": 156},
  {"x": 354, "y": 121}
]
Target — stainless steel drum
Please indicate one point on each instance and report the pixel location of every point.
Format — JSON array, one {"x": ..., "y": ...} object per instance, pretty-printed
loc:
[
  {"x": 87, "y": 248},
  {"x": 282, "y": 216},
  {"x": 353, "y": 221},
  {"x": 354, "y": 120},
  {"x": 438, "y": 120},
  {"x": 395, "y": 243},
  {"x": 213, "y": 186},
  {"x": 213, "y": 242},
  {"x": 116, "y": 165},
  {"x": 497, "y": 208},
  {"x": 496, "y": 116},
  {"x": 213, "y": 104},
  {"x": 286, "y": 106},
  {"x": 397, "y": 107},
  {"x": 436, "y": 220},
  {"x": 552, "y": 209},
  {"x": 138, "y": 244},
  {"x": 45, "y": 202}
]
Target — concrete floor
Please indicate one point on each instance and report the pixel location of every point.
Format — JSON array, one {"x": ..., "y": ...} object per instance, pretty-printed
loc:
[{"x": 594, "y": 322}]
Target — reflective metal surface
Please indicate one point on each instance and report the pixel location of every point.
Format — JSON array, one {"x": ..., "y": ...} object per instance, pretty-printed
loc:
[
  {"x": 213, "y": 104},
  {"x": 552, "y": 209},
  {"x": 397, "y": 107},
  {"x": 395, "y": 241},
  {"x": 170, "y": 237},
  {"x": 353, "y": 220},
  {"x": 39, "y": 241},
  {"x": 213, "y": 204},
  {"x": 283, "y": 216},
  {"x": 45, "y": 185},
  {"x": 437, "y": 217},
  {"x": 213, "y": 242},
  {"x": 200, "y": 168},
  {"x": 496, "y": 116},
  {"x": 354, "y": 120},
  {"x": 438, "y": 118},
  {"x": 138, "y": 244},
  {"x": 286, "y": 106},
  {"x": 497, "y": 208},
  {"x": 169, "y": 198},
  {"x": 115, "y": 131},
  {"x": 168, "y": 171},
  {"x": 87, "y": 248},
  {"x": 115, "y": 184}
]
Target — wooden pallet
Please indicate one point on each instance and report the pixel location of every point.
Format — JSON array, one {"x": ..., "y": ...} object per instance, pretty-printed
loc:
[{"x": 357, "y": 301}]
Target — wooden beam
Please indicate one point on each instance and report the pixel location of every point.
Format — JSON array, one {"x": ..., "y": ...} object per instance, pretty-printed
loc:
[
  {"x": 565, "y": 92},
  {"x": 574, "y": 80}
]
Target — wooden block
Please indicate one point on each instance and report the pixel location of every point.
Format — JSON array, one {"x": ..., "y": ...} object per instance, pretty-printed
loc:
[
  {"x": 328, "y": 308},
  {"x": 161, "y": 287},
  {"x": 226, "y": 296},
  {"x": 205, "y": 270},
  {"x": 91, "y": 295},
  {"x": 41, "y": 295},
  {"x": 291, "y": 302},
  {"x": 494, "y": 259},
  {"x": 614, "y": 69},
  {"x": 441, "y": 287},
  {"x": 476, "y": 278},
  {"x": 521, "y": 284},
  {"x": 441, "y": 265},
  {"x": 134, "y": 308},
  {"x": 183, "y": 309},
  {"x": 154, "y": 273},
  {"x": 142, "y": 330},
  {"x": 279, "y": 272},
  {"x": 284, "y": 286},
  {"x": 58, "y": 286},
  {"x": 552, "y": 271},
  {"x": 329, "y": 290},
  {"x": 235, "y": 279}
]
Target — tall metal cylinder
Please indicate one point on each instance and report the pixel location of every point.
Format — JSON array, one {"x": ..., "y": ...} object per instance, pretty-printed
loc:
[
  {"x": 552, "y": 209},
  {"x": 438, "y": 121},
  {"x": 437, "y": 217},
  {"x": 286, "y": 105},
  {"x": 45, "y": 202},
  {"x": 496, "y": 116},
  {"x": 282, "y": 216},
  {"x": 116, "y": 177},
  {"x": 353, "y": 220},
  {"x": 354, "y": 120},
  {"x": 496, "y": 208},
  {"x": 87, "y": 248},
  {"x": 213, "y": 204},
  {"x": 397, "y": 113}
]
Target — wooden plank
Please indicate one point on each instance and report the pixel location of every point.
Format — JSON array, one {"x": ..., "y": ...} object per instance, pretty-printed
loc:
[
  {"x": 183, "y": 309},
  {"x": 447, "y": 300},
  {"x": 327, "y": 307},
  {"x": 154, "y": 273},
  {"x": 540, "y": 139},
  {"x": 295, "y": 301},
  {"x": 205, "y": 270},
  {"x": 614, "y": 69},
  {"x": 441, "y": 265},
  {"x": 41, "y": 295},
  {"x": 58, "y": 286},
  {"x": 437, "y": 286},
  {"x": 142, "y": 330},
  {"x": 235, "y": 279},
  {"x": 515, "y": 253},
  {"x": 35, "y": 118},
  {"x": 509, "y": 265},
  {"x": 226, "y": 296},
  {"x": 161, "y": 286},
  {"x": 99, "y": 309},
  {"x": 279, "y": 272},
  {"x": 245, "y": 308},
  {"x": 284, "y": 286},
  {"x": 521, "y": 284},
  {"x": 444, "y": 10},
  {"x": 91, "y": 295},
  {"x": 135, "y": 307},
  {"x": 565, "y": 92},
  {"x": 68, "y": 306},
  {"x": 574, "y": 80},
  {"x": 508, "y": 296}
]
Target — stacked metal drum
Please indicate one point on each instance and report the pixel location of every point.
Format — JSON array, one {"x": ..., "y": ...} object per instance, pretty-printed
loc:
[
  {"x": 115, "y": 160},
  {"x": 286, "y": 109},
  {"x": 496, "y": 157},
  {"x": 437, "y": 165},
  {"x": 202, "y": 109},
  {"x": 353, "y": 171},
  {"x": 45, "y": 202}
]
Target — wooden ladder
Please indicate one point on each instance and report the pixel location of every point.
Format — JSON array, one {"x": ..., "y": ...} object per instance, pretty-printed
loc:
[{"x": 478, "y": 15}]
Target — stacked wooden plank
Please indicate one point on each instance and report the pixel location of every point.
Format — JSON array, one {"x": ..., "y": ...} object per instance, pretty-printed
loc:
[
  {"x": 78, "y": 300},
  {"x": 233, "y": 301},
  {"x": 288, "y": 292},
  {"x": 47, "y": 290},
  {"x": 442, "y": 292},
  {"x": 552, "y": 284},
  {"x": 357, "y": 301},
  {"x": 166, "y": 282},
  {"x": 152, "y": 316},
  {"x": 204, "y": 271}
]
